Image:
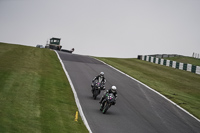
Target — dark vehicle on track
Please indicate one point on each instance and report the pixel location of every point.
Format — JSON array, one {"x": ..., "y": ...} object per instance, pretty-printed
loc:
[
  {"x": 96, "y": 88},
  {"x": 107, "y": 102},
  {"x": 54, "y": 44}
]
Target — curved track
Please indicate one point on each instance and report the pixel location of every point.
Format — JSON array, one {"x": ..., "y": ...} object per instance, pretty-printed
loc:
[{"x": 138, "y": 109}]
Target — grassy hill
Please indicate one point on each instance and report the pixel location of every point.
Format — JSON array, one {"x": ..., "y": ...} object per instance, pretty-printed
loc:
[
  {"x": 35, "y": 96},
  {"x": 182, "y": 87}
]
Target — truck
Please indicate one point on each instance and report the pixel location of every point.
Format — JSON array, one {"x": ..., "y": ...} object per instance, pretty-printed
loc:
[{"x": 54, "y": 44}]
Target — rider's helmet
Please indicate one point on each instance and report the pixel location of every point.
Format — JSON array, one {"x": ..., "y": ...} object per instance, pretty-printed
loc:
[
  {"x": 101, "y": 74},
  {"x": 113, "y": 89}
]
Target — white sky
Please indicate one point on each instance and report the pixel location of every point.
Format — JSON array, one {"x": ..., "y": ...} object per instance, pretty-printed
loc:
[{"x": 105, "y": 28}]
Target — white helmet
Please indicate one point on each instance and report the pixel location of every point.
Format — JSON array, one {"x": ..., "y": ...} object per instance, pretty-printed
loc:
[
  {"x": 113, "y": 89},
  {"x": 102, "y": 73}
]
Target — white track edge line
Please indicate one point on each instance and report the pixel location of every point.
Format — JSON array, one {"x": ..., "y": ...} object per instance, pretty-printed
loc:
[
  {"x": 152, "y": 90},
  {"x": 75, "y": 95}
]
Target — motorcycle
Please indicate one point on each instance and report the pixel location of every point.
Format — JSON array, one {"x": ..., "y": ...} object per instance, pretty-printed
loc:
[
  {"x": 97, "y": 86},
  {"x": 107, "y": 102}
]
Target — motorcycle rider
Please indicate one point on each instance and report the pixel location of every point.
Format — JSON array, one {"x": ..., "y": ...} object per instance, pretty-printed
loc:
[
  {"x": 101, "y": 79},
  {"x": 113, "y": 90}
]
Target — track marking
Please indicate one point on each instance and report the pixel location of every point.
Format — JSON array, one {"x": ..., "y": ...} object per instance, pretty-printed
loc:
[{"x": 76, "y": 116}]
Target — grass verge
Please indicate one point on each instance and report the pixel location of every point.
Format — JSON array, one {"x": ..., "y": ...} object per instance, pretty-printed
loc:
[
  {"x": 182, "y": 87},
  {"x": 35, "y": 96}
]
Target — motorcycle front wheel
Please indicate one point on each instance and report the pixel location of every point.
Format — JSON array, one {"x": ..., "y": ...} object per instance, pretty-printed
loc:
[
  {"x": 105, "y": 108},
  {"x": 95, "y": 94}
]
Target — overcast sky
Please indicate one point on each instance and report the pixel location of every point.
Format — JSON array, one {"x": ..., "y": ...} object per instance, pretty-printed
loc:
[{"x": 105, "y": 28}]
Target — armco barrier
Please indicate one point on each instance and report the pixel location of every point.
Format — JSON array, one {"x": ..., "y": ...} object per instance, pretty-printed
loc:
[
  {"x": 173, "y": 64},
  {"x": 164, "y": 55}
]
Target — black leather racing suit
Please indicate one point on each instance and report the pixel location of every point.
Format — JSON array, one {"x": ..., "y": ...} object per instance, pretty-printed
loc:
[
  {"x": 107, "y": 92},
  {"x": 99, "y": 78}
]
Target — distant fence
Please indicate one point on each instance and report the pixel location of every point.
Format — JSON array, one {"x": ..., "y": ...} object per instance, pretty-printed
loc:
[
  {"x": 173, "y": 64},
  {"x": 164, "y": 55},
  {"x": 196, "y": 55}
]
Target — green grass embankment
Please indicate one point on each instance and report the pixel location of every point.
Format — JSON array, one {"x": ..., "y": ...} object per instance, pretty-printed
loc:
[
  {"x": 35, "y": 96},
  {"x": 182, "y": 87}
]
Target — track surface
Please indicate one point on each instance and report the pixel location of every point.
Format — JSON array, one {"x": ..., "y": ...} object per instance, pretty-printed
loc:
[{"x": 138, "y": 109}]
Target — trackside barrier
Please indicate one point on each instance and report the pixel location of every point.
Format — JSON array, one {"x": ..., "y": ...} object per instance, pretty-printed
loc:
[{"x": 173, "y": 64}]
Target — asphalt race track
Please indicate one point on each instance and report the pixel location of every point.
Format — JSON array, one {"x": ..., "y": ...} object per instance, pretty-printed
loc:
[{"x": 138, "y": 109}]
